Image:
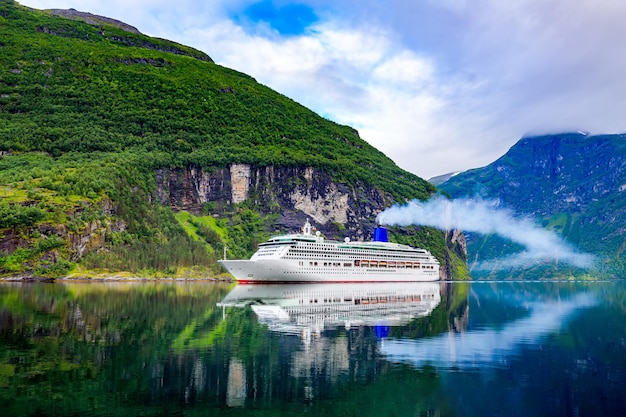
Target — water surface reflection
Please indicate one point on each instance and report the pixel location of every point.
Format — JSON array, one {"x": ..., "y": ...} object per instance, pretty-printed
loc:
[
  {"x": 369, "y": 350},
  {"x": 489, "y": 347}
]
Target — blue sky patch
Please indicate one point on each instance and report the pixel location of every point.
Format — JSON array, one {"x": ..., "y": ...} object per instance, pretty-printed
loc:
[{"x": 288, "y": 19}]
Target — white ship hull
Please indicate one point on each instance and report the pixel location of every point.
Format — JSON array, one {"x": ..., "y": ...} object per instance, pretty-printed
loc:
[{"x": 284, "y": 271}]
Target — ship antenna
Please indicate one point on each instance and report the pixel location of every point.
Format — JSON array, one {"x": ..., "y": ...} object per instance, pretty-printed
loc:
[{"x": 306, "y": 230}]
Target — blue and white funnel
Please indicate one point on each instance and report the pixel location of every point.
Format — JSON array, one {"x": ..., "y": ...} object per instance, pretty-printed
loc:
[{"x": 380, "y": 234}]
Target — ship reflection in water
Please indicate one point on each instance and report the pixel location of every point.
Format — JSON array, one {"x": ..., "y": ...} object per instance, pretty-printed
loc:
[{"x": 309, "y": 309}]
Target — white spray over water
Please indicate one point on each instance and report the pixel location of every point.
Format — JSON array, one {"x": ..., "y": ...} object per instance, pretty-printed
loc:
[{"x": 481, "y": 217}]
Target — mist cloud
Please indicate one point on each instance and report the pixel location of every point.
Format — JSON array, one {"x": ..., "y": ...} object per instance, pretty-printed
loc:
[{"x": 483, "y": 217}]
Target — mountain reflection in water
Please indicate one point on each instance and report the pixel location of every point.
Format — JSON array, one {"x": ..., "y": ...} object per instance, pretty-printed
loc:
[{"x": 417, "y": 349}]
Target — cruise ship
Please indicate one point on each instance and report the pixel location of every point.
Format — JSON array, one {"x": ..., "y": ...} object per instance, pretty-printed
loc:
[{"x": 308, "y": 257}]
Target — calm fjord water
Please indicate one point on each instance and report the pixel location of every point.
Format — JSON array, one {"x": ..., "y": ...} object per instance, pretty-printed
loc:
[{"x": 451, "y": 349}]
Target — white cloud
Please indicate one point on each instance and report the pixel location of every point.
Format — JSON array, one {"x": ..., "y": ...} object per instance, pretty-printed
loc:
[{"x": 404, "y": 69}]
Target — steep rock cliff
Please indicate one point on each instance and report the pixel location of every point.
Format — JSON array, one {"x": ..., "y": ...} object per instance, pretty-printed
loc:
[{"x": 297, "y": 193}]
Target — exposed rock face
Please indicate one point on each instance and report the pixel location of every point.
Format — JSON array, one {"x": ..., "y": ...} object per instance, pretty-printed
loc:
[
  {"x": 88, "y": 239},
  {"x": 455, "y": 241},
  {"x": 96, "y": 20},
  {"x": 332, "y": 208},
  {"x": 93, "y": 19},
  {"x": 10, "y": 240},
  {"x": 240, "y": 182},
  {"x": 303, "y": 193},
  {"x": 190, "y": 188}
]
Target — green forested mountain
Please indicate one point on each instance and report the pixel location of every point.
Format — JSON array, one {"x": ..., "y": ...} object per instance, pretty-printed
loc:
[
  {"x": 129, "y": 153},
  {"x": 571, "y": 183},
  {"x": 72, "y": 87}
]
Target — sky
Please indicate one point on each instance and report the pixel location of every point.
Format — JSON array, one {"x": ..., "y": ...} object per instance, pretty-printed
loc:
[{"x": 439, "y": 86}]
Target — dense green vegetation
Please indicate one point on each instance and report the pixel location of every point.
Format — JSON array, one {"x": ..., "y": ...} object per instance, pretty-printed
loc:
[
  {"x": 89, "y": 112},
  {"x": 71, "y": 87}
]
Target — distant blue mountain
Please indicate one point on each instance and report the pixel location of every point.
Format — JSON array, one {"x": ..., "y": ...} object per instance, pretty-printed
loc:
[{"x": 571, "y": 183}]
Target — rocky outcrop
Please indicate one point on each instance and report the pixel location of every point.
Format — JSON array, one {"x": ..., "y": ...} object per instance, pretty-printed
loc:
[
  {"x": 93, "y": 19},
  {"x": 48, "y": 243},
  {"x": 240, "y": 182},
  {"x": 323, "y": 209},
  {"x": 88, "y": 239},
  {"x": 10, "y": 240},
  {"x": 456, "y": 243},
  {"x": 299, "y": 194},
  {"x": 455, "y": 240}
]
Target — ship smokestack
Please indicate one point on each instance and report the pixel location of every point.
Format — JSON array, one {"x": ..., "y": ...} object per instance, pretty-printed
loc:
[{"x": 380, "y": 234}]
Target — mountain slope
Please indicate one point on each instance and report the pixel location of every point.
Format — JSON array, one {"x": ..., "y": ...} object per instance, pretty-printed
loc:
[
  {"x": 68, "y": 86},
  {"x": 105, "y": 134},
  {"x": 572, "y": 183}
]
